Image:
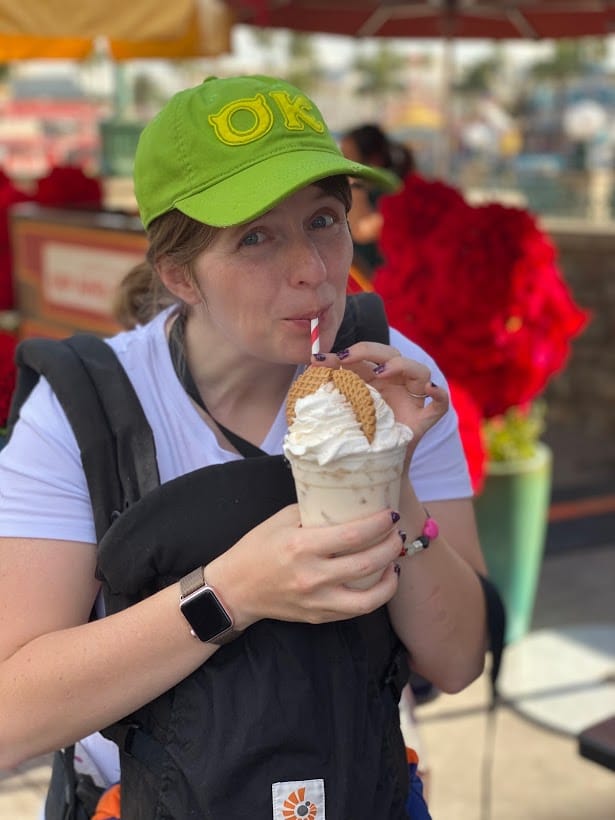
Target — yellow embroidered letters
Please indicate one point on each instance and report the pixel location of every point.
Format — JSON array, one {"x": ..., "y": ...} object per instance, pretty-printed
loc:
[
  {"x": 297, "y": 113},
  {"x": 247, "y": 120},
  {"x": 242, "y": 121}
]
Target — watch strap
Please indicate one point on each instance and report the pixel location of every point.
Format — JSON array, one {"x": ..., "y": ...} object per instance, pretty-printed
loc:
[
  {"x": 225, "y": 637},
  {"x": 191, "y": 582},
  {"x": 194, "y": 581}
]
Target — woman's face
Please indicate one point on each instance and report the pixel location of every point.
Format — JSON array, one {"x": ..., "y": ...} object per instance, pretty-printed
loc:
[
  {"x": 350, "y": 150},
  {"x": 263, "y": 281}
]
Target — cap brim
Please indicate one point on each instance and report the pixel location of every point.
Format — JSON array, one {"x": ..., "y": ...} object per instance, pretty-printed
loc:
[{"x": 254, "y": 190}]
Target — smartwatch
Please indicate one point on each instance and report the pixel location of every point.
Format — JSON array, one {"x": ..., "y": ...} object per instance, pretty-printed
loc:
[{"x": 209, "y": 619}]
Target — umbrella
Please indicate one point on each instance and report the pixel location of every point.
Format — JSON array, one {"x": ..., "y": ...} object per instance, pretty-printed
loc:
[
  {"x": 68, "y": 29},
  {"x": 478, "y": 19}
]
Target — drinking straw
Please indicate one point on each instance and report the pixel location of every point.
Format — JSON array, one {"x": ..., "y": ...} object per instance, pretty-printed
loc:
[{"x": 315, "y": 339}]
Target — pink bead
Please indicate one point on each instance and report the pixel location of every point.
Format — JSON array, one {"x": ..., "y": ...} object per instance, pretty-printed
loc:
[{"x": 431, "y": 529}]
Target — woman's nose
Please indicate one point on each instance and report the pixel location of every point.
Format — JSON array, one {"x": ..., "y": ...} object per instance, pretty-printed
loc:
[{"x": 306, "y": 264}]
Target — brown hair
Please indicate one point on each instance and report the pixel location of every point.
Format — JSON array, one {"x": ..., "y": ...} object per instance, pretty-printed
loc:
[
  {"x": 141, "y": 295},
  {"x": 376, "y": 148}
]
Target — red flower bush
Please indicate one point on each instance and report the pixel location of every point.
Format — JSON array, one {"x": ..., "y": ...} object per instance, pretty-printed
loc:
[
  {"x": 63, "y": 187},
  {"x": 9, "y": 195},
  {"x": 479, "y": 288},
  {"x": 8, "y": 343},
  {"x": 68, "y": 186},
  {"x": 470, "y": 432}
]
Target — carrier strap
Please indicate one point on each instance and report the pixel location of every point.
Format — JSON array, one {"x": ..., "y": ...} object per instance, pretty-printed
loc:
[
  {"x": 114, "y": 437},
  {"x": 364, "y": 319},
  {"x": 135, "y": 741}
]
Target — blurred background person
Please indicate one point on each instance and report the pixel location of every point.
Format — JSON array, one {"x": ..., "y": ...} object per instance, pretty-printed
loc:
[{"x": 370, "y": 145}]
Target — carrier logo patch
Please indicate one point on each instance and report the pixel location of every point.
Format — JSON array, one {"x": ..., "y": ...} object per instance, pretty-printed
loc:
[{"x": 299, "y": 800}]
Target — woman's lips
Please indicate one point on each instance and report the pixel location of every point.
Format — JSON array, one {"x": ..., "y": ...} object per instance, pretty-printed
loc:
[
  {"x": 305, "y": 319},
  {"x": 319, "y": 314}
]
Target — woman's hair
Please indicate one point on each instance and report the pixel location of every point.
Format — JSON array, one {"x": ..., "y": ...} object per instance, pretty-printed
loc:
[
  {"x": 141, "y": 294},
  {"x": 373, "y": 144}
]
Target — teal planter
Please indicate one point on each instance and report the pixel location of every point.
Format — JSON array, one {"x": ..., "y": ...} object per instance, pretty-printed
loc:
[{"x": 511, "y": 512}]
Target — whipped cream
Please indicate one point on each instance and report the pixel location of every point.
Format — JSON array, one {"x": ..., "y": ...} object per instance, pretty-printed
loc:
[{"x": 325, "y": 427}]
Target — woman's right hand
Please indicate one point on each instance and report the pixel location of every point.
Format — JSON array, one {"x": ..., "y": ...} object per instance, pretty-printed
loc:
[{"x": 283, "y": 571}]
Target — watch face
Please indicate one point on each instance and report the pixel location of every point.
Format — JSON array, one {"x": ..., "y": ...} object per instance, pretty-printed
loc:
[{"x": 205, "y": 614}]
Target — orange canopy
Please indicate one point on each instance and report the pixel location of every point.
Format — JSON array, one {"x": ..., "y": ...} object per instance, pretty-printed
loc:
[{"x": 67, "y": 29}]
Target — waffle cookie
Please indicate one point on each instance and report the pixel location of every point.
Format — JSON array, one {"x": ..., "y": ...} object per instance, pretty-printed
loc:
[{"x": 348, "y": 383}]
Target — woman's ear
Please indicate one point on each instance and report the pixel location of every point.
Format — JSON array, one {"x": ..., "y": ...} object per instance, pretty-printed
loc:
[{"x": 178, "y": 280}]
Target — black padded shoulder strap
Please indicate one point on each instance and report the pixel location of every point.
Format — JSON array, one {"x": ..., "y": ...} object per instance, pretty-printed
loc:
[
  {"x": 364, "y": 319},
  {"x": 114, "y": 437}
]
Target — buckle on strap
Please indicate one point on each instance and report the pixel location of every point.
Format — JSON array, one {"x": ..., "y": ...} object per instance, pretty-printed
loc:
[
  {"x": 397, "y": 672},
  {"x": 133, "y": 740}
]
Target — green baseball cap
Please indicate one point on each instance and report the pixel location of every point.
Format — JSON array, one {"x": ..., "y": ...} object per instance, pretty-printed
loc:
[{"x": 230, "y": 149}]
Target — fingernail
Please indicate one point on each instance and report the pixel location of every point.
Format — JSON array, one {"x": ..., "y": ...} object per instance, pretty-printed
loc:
[
  {"x": 403, "y": 535},
  {"x": 379, "y": 369},
  {"x": 397, "y": 569},
  {"x": 395, "y": 516},
  {"x": 320, "y": 357},
  {"x": 343, "y": 354}
]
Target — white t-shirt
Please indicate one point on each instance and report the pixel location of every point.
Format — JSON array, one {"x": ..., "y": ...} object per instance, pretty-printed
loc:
[{"x": 43, "y": 491}]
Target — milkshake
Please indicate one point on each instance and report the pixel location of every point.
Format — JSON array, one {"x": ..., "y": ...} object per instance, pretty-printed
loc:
[{"x": 345, "y": 448}]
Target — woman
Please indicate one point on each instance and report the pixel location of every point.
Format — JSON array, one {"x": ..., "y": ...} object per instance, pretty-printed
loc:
[
  {"x": 244, "y": 195},
  {"x": 369, "y": 145}
]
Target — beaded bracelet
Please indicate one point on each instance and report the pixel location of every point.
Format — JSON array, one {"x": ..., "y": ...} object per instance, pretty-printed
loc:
[{"x": 430, "y": 530}]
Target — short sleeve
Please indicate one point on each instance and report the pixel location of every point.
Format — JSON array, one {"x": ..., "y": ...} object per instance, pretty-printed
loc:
[
  {"x": 438, "y": 470},
  {"x": 43, "y": 490}
]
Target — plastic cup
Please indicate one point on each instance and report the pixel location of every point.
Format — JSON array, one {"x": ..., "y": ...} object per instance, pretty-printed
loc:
[{"x": 346, "y": 489}]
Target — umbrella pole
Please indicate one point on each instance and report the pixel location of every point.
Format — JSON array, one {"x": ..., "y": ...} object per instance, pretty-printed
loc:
[
  {"x": 445, "y": 147},
  {"x": 444, "y": 164}
]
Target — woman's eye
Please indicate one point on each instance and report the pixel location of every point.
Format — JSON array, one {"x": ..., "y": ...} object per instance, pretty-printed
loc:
[
  {"x": 323, "y": 221},
  {"x": 252, "y": 238}
]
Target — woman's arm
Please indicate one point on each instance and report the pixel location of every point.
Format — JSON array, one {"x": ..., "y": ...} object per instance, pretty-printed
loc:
[
  {"x": 438, "y": 610},
  {"x": 62, "y": 678}
]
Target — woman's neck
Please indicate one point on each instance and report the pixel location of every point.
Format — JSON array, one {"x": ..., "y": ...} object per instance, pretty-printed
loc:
[{"x": 243, "y": 394}]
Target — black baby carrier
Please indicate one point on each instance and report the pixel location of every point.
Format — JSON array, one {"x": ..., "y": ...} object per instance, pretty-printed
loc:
[{"x": 286, "y": 703}]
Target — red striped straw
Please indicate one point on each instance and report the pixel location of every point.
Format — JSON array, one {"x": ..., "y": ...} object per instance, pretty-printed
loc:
[{"x": 314, "y": 337}]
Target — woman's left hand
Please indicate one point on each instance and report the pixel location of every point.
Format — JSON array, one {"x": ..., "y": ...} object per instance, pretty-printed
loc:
[{"x": 403, "y": 383}]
